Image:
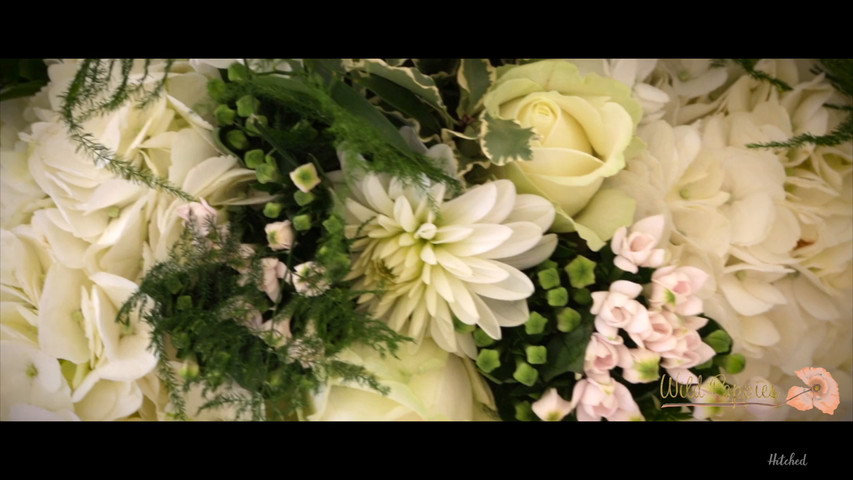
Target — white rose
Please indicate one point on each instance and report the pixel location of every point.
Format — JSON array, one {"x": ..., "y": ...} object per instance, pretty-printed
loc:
[
  {"x": 585, "y": 126},
  {"x": 429, "y": 384}
]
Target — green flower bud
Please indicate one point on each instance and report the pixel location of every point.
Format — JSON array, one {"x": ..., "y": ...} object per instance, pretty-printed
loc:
[
  {"x": 302, "y": 222},
  {"x": 703, "y": 366},
  {"x": 224, "y": 115},
  {"x": 548, "y": 278},
  {"x": 113, "y": 212},
  {"x": 482, "y": 339},
  {"x": 303, "y": 198},
  {"x": 536, "y": 354},
  {"x": 568, "y": 319},
  {"x": 238, "y": 72},
  {"x": 333, "y": 224},
  {"x": 272, "y": 209},
  {"x": 267, "y": 173},
  {"x": 189, "y": 368},
  {"x": 525, "y": 374},
  {"x": 237, "y": 140},
  {"x": 524, "y": 412},
  {"x": 535, "y": 324},
  {"x": 558, "y": 297},
  {"x": 719, "y": 340},
  {"x": 174, "y": 285},
  {"x": 253, "y": 158},
  {"x": 731, "y": 363},
  {"x": 581, "y": 272},
  {"x": 217, "y": 89},
  {"x": 252, "y": 124},
  {"x": 581, "y": 296},
  {"x": 547, "y": 264},
  {"x": 488, "y": 360},
  {"x": 247, "y": 105},
  {"x": 185, "y": 302}
]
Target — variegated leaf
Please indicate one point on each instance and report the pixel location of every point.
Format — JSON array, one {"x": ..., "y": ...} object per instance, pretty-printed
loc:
[
  {"x": 505, "y": 141},
  {"x": 409, "y": 78},
  {"x": 475, "y": 77}
]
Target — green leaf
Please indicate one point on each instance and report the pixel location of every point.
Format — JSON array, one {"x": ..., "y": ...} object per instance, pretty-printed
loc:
[
  {"x": 402, "y": 99},
  {"x": 475, "y": 77},
  {"x": 357, "y": 105},
  {"x": 409, "y": 78},
  {"x": 566, "y": 352},
  {"x": 719, "y": 340},
  {"x": 505, "y": 141}
]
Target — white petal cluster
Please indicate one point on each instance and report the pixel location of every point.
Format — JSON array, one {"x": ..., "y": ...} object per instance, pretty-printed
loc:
[
  {"x": 773, "y": 227},
  {"x": 437, "y": 260},
  {"x": 76, "y": 239}
]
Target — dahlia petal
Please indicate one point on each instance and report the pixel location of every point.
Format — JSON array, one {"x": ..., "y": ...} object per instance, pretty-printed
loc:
[
  {"x": 536, "y": 255},
  {"x": 488, "y": 322},
  {"x": 504, "y": 204},
  {"x": 374, "y": 193},
  {"x": 452, "y": 263},
  {"x": 404, "y": 215},
  {"x": 525, "y": 235},
  {"x": 532, "y": 208},
  {"x": 451, "y": 234},
  {"x": 517, "y": 286},
  {"x": 471, "y": 206},
  {"x": 441, "y": 284},
  {"x": 509, "y": 313},
  {"x": 483, "y": 239}
]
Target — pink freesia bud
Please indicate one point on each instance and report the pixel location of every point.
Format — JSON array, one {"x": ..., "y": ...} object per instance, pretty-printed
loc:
[
  {"x": 644, "y": 366},
  {"x": 594, "y": 400},
  {"x": 675, "y": 289},
  {"x": 551, "y": 407},
  {"x": 603, "y": 355},
  {"x": 617, "y": 309},
  {"x": 274, "y": 270},
  {"x": 688, "y": 352},
  {"x": 636, "y": 248}
]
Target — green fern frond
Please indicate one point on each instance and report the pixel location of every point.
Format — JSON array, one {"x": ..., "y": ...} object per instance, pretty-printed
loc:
[{"x": 92, "y": 93}]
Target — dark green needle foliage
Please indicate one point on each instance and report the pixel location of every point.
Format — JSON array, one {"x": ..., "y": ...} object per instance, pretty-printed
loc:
[{"x": 201, "y": 302}]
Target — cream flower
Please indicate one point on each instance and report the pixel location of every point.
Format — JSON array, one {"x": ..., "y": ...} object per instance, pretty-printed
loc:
[
  {"x": 280, "y": 235},
  {"x": 437, "y": 260},
  {"x": 429, "y": 384}
]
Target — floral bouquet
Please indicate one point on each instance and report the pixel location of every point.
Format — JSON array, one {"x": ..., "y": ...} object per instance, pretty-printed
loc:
[{"x": 426, "y": 239}]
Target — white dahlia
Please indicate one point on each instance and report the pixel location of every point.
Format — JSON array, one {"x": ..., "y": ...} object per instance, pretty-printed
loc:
[{"x": 436, "y": 260}]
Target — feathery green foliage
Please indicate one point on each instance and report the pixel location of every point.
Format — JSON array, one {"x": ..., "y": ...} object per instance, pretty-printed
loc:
[
  {"x": 748, "y": 64},
  {"x": 840, "y": 73},
  {"x": 205, "y": 304},
  {"x": 93, "y": 91},
  {"x": 339, "y": 113}
]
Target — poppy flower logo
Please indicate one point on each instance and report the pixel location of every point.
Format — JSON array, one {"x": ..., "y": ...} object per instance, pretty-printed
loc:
[{"x": 822, "y": 391}]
